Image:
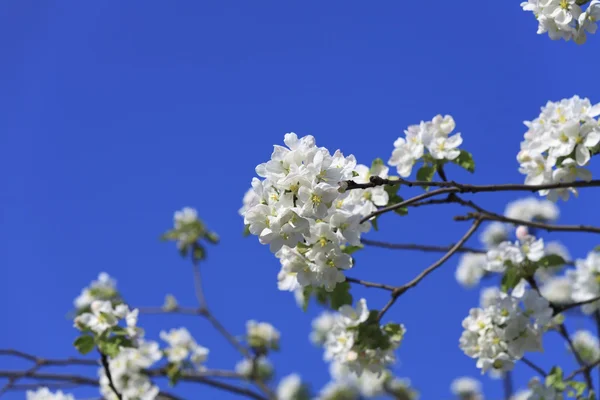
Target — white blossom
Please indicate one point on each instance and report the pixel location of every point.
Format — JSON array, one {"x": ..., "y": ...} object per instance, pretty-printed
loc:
[
  {"x": 585, "y": 281},
  {"x": 587, "y": 346},
  {"x": 499, "y": 335},
  {"x": 466, "y": 388},
  {"x": 104, "y": 288},
  {"x": 521, "y": 251},
  {"x": 558, "y": 290},
  {"x": 531, "y": 208},
  {"x": 321, "y": 327},
  {"x": 431, "y": 136},
  {"x": 470, "y": 269},
  {"x": 494, "y": 234},
  {"x": 291, "y": 388},
  {"x": 264, "y": 368},
  {"x": 299, "y": 210},
  {"x": 559, "y": 142},
  {"x": 182, "y": 346},
  {"x": 262, "y": 335},
  {"x": 44, "y": 393}
]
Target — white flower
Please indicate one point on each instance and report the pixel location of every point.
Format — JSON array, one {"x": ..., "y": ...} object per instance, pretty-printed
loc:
[
  {"x": 467, "y": 388},
  {"x": 44, "y": 393},
  {"x": 353, "y": 317},
  {"x": 338, "y": 390},
  {"x": 585, "y": 281},
  {"x": 264, "y": 368},
  {"x": 299, "y": 210},
  {"x": 558, "y": 290},
  {"x": 470, "y": 269},
  {"x": 105, "y": 288},
  {"x": 185, "y": 216},
  {"x": 489, "y": 296},
  {"x": 587, "y": 346},
  {"x": 291, "y": 388},
  {"x": 499, "y": 334},
  {"x": 514, "y": 254},
  {"x": 181, "y": 346},
  {"x": 101, "y": 318},
  {"x": 559, "y": 142},
  {"x": 494, "y": 234},
  {"x": 262, "y": 335},
  {"x": 321, "y": 327}
]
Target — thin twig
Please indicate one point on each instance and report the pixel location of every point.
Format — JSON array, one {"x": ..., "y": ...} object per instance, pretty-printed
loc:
[
  {"x": 176, "y": 310},
  {"x": 508, "y": 385},
  {"x": 562, "y": 330},
  {"x": 401, "y": 289},
  {"x": 419, "y": 247},
  {"x": 534, "y": 367},
  {"x": 370, "y": 284},
  {"x": 582, "y": 369},
  {"x": 205, "y": 312},
  {"x": 111, "y": 383},
  {"x": 559, "y": 309}
]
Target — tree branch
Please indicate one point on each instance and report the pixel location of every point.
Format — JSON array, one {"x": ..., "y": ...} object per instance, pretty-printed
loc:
[
  {"x": 111, "y": 383},
  {"x": 419, "y": 247},
  {"x": 534, "y": 367},
  {"x": 401, "y": 289},
  {"x": 371, "y": 284},
  {"x": 562, "y": 330}
]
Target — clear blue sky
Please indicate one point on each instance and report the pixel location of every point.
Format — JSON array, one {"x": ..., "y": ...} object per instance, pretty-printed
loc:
[{"x": 115, "y": 114}]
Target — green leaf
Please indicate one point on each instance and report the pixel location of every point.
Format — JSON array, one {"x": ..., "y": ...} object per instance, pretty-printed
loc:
[
  {"x": 554, "y": 377},
  {"x": 376, "y": 166},
  {"x": 246, "y": 230},
  {"x": 212, "y": 237},
  {"x": 351, "y": 249},
  {"x": 551, "y": 260},
  {"x": 465, "y": 160},
  {"x": 374, "y": 223},
  {"x": 394, "y": 331},
  {"x": 597, "y": 249},
  {"x": 306, "y": 293},
  {"x": 84, "y": 344},
  {"x": 579, "y": 387},
  {"x": 199, "y": 253},
  {"x": 340, "y": 295},
  {"x": 426, "y": 173},
  {"x": 119, "y": 331},
  {"x": 174, "y": 374},
  {"x": 510, "y": 279}
]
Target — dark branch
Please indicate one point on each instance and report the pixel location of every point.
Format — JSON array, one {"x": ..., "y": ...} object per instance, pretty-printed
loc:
[{"x": 419, "y": 247}]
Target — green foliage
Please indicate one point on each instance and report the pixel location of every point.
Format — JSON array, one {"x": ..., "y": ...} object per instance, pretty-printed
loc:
[
  {"x": 551, "y": 260},
  {"x": 465, "y": 160},
  {"x": 351, "y": 249},
  {"x": 189, "y": 236},
  {"x": 555, "y": 379},
  {"x": 340, "y": 295},
  {"x": 173, "y": 373},
  {"x": 392, "y": 191},
  {"x": 371, "y": 335},
  {"x": 112, "y": 345},
  {"x": 376, "y": 166},
  {"x": 84, "y": 344},
  {"x": 510, "y": 279},
  {"x": 394, "y": 331},
  {"x": 335, "y": 299},
  {"x": 426, "y": 173},
  {"x": 246, "y": 230}
]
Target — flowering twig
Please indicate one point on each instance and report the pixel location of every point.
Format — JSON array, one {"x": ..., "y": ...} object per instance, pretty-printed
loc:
[
  {"x": 204, "y": 311},
  {"x": 370, "y": 284},
  {"x": 534, "y": 367},
  {"x": 401, "y": 289},
  {"x": 540, "y": 225},
  {"x": 111, "y": 383},
  {"x": 559, "y": 309}
]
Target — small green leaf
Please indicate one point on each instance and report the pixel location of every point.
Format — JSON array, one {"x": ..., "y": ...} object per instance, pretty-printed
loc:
[
  {"x": 579, "y": 387},
  {"x": 246, "y": 230},
  {"x": 199, "y": 253},
  {"x": 376, "y": 166},
  {"x": 306, "y": 293},
  {"x": 510, "y": 279},
  {"x": 84, "y": 344},
  {"x": 426, "y": 173},
  {"x": 374, "y": 223},
  {"x": 394, "y": 331},
  {"x": 354, "y": 174},
  {"x": 340, "y": 295},
  {"x": 551, "y": 260},
  {"x": 351, "y": 249},
  {"x": 597, "y": 249},
  {"x": 174, "y": 374},
  {"x": 119, "y": 331},
  {"x": 465, "y": 160},
  {"x": 212, "y": 237}
]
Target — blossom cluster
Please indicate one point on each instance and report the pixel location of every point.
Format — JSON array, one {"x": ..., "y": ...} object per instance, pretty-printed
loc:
[
  {"x": 103, "y": 317},
  {"x": 262, "y": 336},
  {"x": 467, "y": 388},
  {"x": 430, "y": 139},
  {"x": 559, "y": 144},
  {"x": 564, "y": 19},
  {"x": 353, "y": 338},
  {"x": 127, "y": 373},
  {"x": 299, "y": 210},
  {"x": 104, "y": 288},
  {"x": 525, "y": 249},
  {"x": 585, "y": 281},
  {"x": 182, "y": 347},
  {"x": 43, "y": 393},
  {"x": 501, "y": 333},
  {"x": 291, "y": 387},
  {"x": 261, "y": 368}
]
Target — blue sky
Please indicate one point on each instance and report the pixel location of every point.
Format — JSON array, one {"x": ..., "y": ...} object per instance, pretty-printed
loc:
[{"x": 115, "y": 114}]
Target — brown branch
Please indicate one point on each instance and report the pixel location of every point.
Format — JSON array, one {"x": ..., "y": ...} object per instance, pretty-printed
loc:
[
  {"x": 588, "y": 367},
  {"x": 559, "y": 309},
  {"x": 534, "y": 367},
  {"x": 176, "y": 310},
  {"x": 111, "y": 383},
  {"x": 466, "y": 188},
  {"x": 371, "y": 284},
  {"x": 85, "y": 381},
  {"x": 205, "y": 312},
  {"x": 401, "y": 289},
  {"x": 562, "y": 330},
  {"x": 419, "y": 247}
]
